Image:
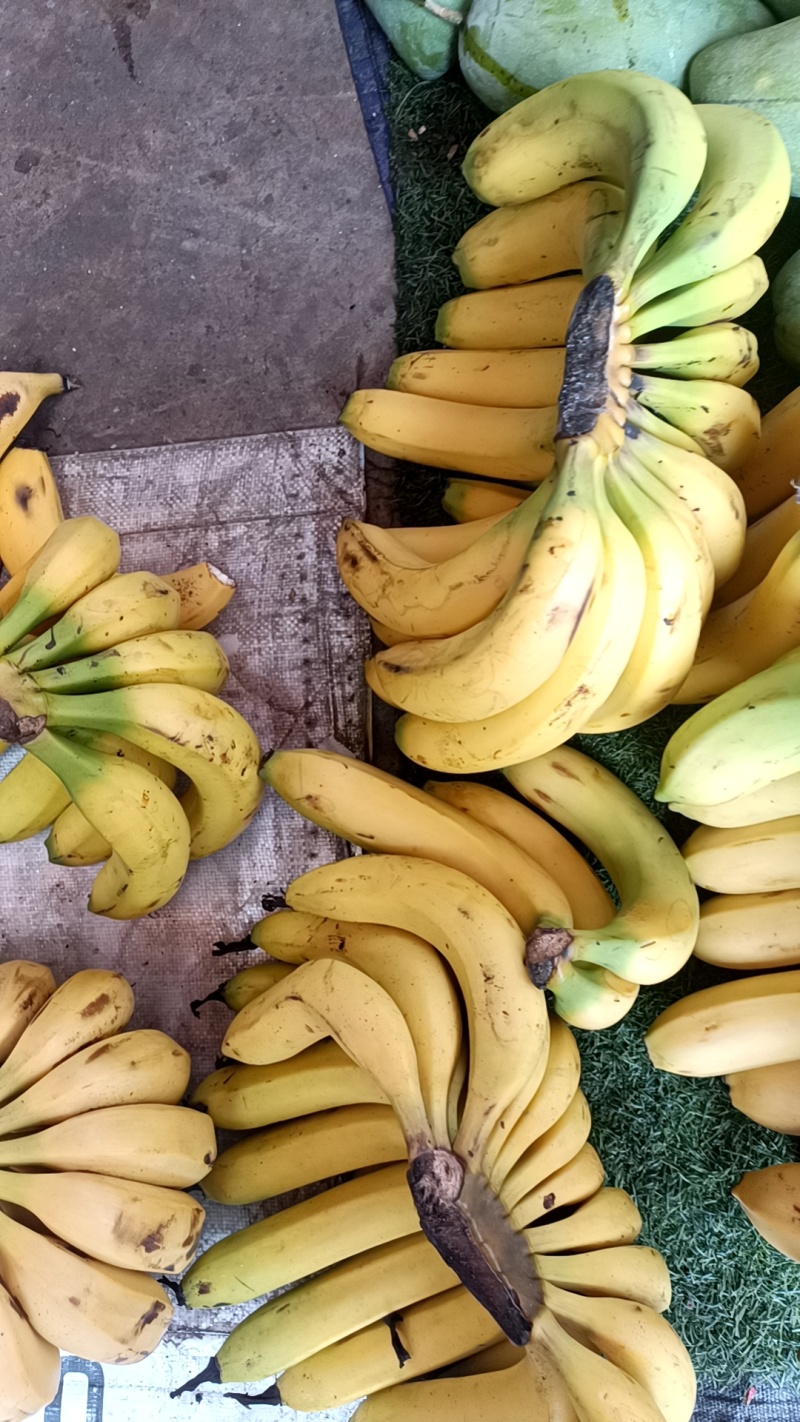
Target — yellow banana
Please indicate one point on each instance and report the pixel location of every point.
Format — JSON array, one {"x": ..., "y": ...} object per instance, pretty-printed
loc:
[
  {"x": 323, "y": 1077},
  {"x": 724, "y": 419},
  {"x": 31, "y": 1366},
  {"x": 31, "y": 797},
  {"x": 554, "y": 1149},
  {"x": 748, "y": 1022},
  {"x": 772, "y": 802},
  {"x": 88, "y": 1007},
  {"x": 440, "y": 541},
  {"x": 553, "y": 1096},
  {"x": 533, "y": 315},
  {"x": 21, "y": 394},
  {"x": 629, "y": 1271},
  {"x": 769, "y": 1095},
  {"x": 598, "y": 1389},
  {"x": 770, "y": 1198},
  {"x": 767, "y": 479},
  {"x": 746, "y": 932},
  {"x": 722, "y": 350},
  {"x": 574, "y": 1182},
  {"x": 151, "y": 1142},
  {"x": 523, "y": 1391},
  {"x": 746, "y": 859},
  {"x": 80, "y": 554},
  {"x": 521, "y": 379},
  {"x": 763, "y": 542},
  {"x": 30, "y": 506},
  {"x": 608, "y": 1218},
  {"x": 24, "y": 989},
  {"x": 722, "y": 297},
  {"x": 203, "y": 591},
  {"x": 127, "y": 605},
  {"x": 188, "y": 658},
  {"x": 590, "y": 997},
  {"x": 237, "y": 991},
  {"x": 468, "y": 499}
]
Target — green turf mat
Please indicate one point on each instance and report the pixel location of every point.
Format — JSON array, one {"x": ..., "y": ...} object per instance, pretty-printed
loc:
[{"x": 675, "y": 1144}]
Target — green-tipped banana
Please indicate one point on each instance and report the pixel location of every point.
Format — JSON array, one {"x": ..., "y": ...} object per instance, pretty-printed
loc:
[
  {"x": 128, "y": 605},
  {"x": 188, "y": 658},
  {"x": 31, "y": 798},
  {"x": 79, "y": 554},
  {"x": 722, "y": 297},
  {"x": 721, "y": 351}
]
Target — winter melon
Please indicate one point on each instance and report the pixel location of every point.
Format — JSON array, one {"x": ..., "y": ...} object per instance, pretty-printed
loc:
[
  {"x": 510, "y": 48},
  {"x": 422, "y": 31},
  {"x": 785, "y": 293}
]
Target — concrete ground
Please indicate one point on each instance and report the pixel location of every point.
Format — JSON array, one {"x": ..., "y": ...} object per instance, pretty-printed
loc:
[{"x": 192, "y": 223}]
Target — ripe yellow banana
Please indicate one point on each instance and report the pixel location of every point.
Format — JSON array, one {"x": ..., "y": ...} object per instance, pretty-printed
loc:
[
  {"x": 90, "y": 1006},
  {"x": 372, "y": 1209},
  {"x": 722, "y": 297},
  {"x": 522, "y": 379},
  {"x": 437, "y": 542},
  {"x": 772, "y": 802},
  {"x": 189, "y": 658},
  {"x": 723, "y": 419},
  {"x": 503, "y": 443},
  {"x": 769, "y": 1095},
  {"x": 721, "y": 351},
  {"x": 748, "y": 1022},
  {"x": 763, "y": 542},
  {"x": 143, "y": 1066},
  {"x": 323, "y": 1077},
  {"x": 24, "y": 989},
  {"x": 469, "y": 499},
  {"x": 768, "y": 478},
  {"x": 654, "y": 931},
  {"x": 532, "y": 315},
  {"x": 31, "y": 797},
  {"x": 551, "y": 1099},
  {"x": 600, "y": 1391},
  {"x": 151, "y": 1142},
  {"x": 30, "y": 506},
  {"x": 127, "y": 605},
  {"x": 237, "y": 991},
  {"x": 31, "y": 1366},
  {"x": 746, "y": 932},
  {"x": 746, "y": 859},
  {"x": 303, "y": 1151},
  {"x": 523, "y": 1391},
  {"x": 80, "y": 554},
  {"x": 770, "y": 1200},
  {"x": 203, "y": 591},
  {"x": 608, "y": 1218},
  {"x": 629, "y": 1271},
  {"x": 555, "y": 1148},
  {"x": 21, "y": 394},
  {"x": 92, "y": 1310},
  {"x": 379, "y": 812},
  {"x": 579, "y": 1179}
]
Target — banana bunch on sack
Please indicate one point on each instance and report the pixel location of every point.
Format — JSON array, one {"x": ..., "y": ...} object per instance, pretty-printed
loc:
[
  {"x": 590, "y": 953},
  {"x": 394, "y": 1036},
  {"x": 580, "y": 606},
  {"x": 109, "y": 685},
  {"x": 95, "y": 1159}
]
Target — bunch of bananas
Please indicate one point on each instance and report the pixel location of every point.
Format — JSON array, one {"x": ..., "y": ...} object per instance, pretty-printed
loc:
[
  {"x": 109, "y": 684},
  {"x": 592, "y": 954},
  {"x": 350, "y": 1056},
  {"x": 95, "y": 1156},
  {"x": 578, "y": 604}
]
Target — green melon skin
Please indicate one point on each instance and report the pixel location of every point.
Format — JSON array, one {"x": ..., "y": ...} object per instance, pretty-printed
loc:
[
  {"x": 425, "y": 41},
  {"x": 760, "y": 71},
  {"x": 785, "y": 294},
  {"x": 510, "y": 48},
  {"x": 785, "y": 9}
]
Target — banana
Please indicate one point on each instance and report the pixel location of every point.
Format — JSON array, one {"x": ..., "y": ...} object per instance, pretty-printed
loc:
[
  {"x": 724, "y": 420},
  {"x": 523, "y": 1391},
  {"x": 769, "y": 1198},
  {"x": 564, "y": 703},
  {"x": 197, "y": 733},
  {"x": 21, "y": 394},
  {"x": 189, "y": 658},
  {"x": 539, "y": 238},
  {"x": 599, "y": 1390},
  {"x": 237, "y": 991},
  {"x": 24, "y": 989},
  {"x": 629, "y": 1271},
  {"x": 590, "y": 997},
  {"x": 722, "y": 297},
  {"x": 382, "y": 813},
  {"x": 372, "y": 1286},
  {"x": 589, "y": 904},
  {"x": 328, "y": 998},
  {"x": 135, "y": 811},
  {"x": 154, "y": 1143},
  {"x": 552, "y": 1098},
  {"x": 675, "y": 506},
  {"x": 425, "y": 1336},
  {"x": 422, "y": 598},
  {"x": 746, "y": 859},
  {"x": 440, "y": 541},
  {"x": 769, "y": 1095},
  {"x": 92, "y": 1310},
  {"x": 508, "y": 1024},
  {"x": 555, "y": 1148},
  {"x": 303, "y": 1151},
  {"x": 768, "y": 478},
  {"x": 11, "y": 591},
  {"x": 520, "y": 645},
  {"x": 469, "y": 499},
  {"x": 372, "y": 1209},
  {"x": 608, "y": 1218},
  {"x": 747, "y": 635},
  {"x": 722, "y": 351},
  {"x": 772, "y": 802},
  {"x": 127, "y": 605},
  {"x": 117, "y": 1221},
  {"x": 323, "y": 1077},
  {"x": 638, "y": 416},
  {"x": 30, "y": 506},
  {"x": 90, "y": 1006},
  {"x": 203, "y": 591},
  {"x": 743, "y": 192},
  {"x": 763, "y": 542},
  {"x": 748, "y": 1022},
  {"x": 80, "y": 554},
  {"x": 532, "y": 315},
  {"x": 139, "y": 1067},
  {"x": 747, "y": 932},
  {"x": 617, "y": 126},
  {"x": 520, "y": 379},
  {"x": 502, "y": 443},
  {"x": 31, "y": 797},
  {"x": 655, "y": 928},
  {"x": 738, "y": 743},
  {"x": 31, "y": 1366},
  {"x": 574, "y": 1182},
  {"x": 410, "y": 971}
]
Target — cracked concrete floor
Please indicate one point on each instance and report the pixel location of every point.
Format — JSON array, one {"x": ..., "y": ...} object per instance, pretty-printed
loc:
[{"x": 192, "y": 223}]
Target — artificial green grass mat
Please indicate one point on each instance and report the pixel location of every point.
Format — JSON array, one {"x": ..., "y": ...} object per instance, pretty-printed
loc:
[{"x": 675, "y": 1143}]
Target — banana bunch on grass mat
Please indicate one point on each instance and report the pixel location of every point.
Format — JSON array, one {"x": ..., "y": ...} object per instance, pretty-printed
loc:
[
  {"x": 394, "y": 1035},
  {"x": 596, "y": 374},
  {"x": 95, "y": 1159},
  {"x": 110, "y": 686}
]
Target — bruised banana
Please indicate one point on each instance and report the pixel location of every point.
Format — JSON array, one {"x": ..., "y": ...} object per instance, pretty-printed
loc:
[
  {"x": 24, "y": 988},
  {"x": 31, "y": 1366},
  {"x": 21, "y": 394},
  {"x": 88, "y": 1007},
  {"x": 30, "y": 506}
]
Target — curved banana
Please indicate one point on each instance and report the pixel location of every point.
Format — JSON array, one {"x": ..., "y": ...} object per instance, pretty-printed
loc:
[
  {"x": 628, "y": 1271},
  {"x": 574, "y": 1182},
  {"x": 189, "y": 658},
  {"x": 31, "y": 1366},
  {"x": 522, "y": 378},
  {"x": 30, "y": 506},
  {"x": 89, "y": 1006},
  {"x": 772, "y": 802},
  {"x": 24, "y": 989},
  {"x": 21, "y": 394},
  {"x": 608, "y": 1218},
  {"x": 747, "y": 932},
  {"x": 379, "y": 812},
  {"x": 523, "y": 1391},
  {"x": 747, "y": 859},
  {"x": 742, "y": 194},
  {"x": 769, "y": 1095},
  {"x": 127, "y": 605},
  {"x": 31, "y": 798},
  {"x": 504, "y": 443},
  {"x": 199, "y": 734},
  {"x": 590, "y": 997},
  {"x": 676, "y": 507},
  {"x": 322, "y": 1078},
  {"x": 468, "y": 499},
  {"x": 203, "y": 591},
  {"x": 532, "y": 315},
  {"x": 152, "y": 1142},
  {"x": 722, "y": 350},
  {"x": 303, "y": 1151},
  {"x": 723, "y": 419},
  {"x": 80, "y": 554},
  {"x": 555, "y": 1148},
  {"x": 722, "y": 297},
  {"x": 438, "y": 542},
  {"x": 547, "y": 1104},
  {"x": 248, "y": 983},
  {"x": 130, "y": 1068},
  {"x": 769, "y": 476},
  {"x": 655, "y": 928},
  {"x": 325, "y": 1229},
  {"x": 763, "y": 543},
  {"x": 748, "y": 1022},
  {"x": 769, "y": 1199}
]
